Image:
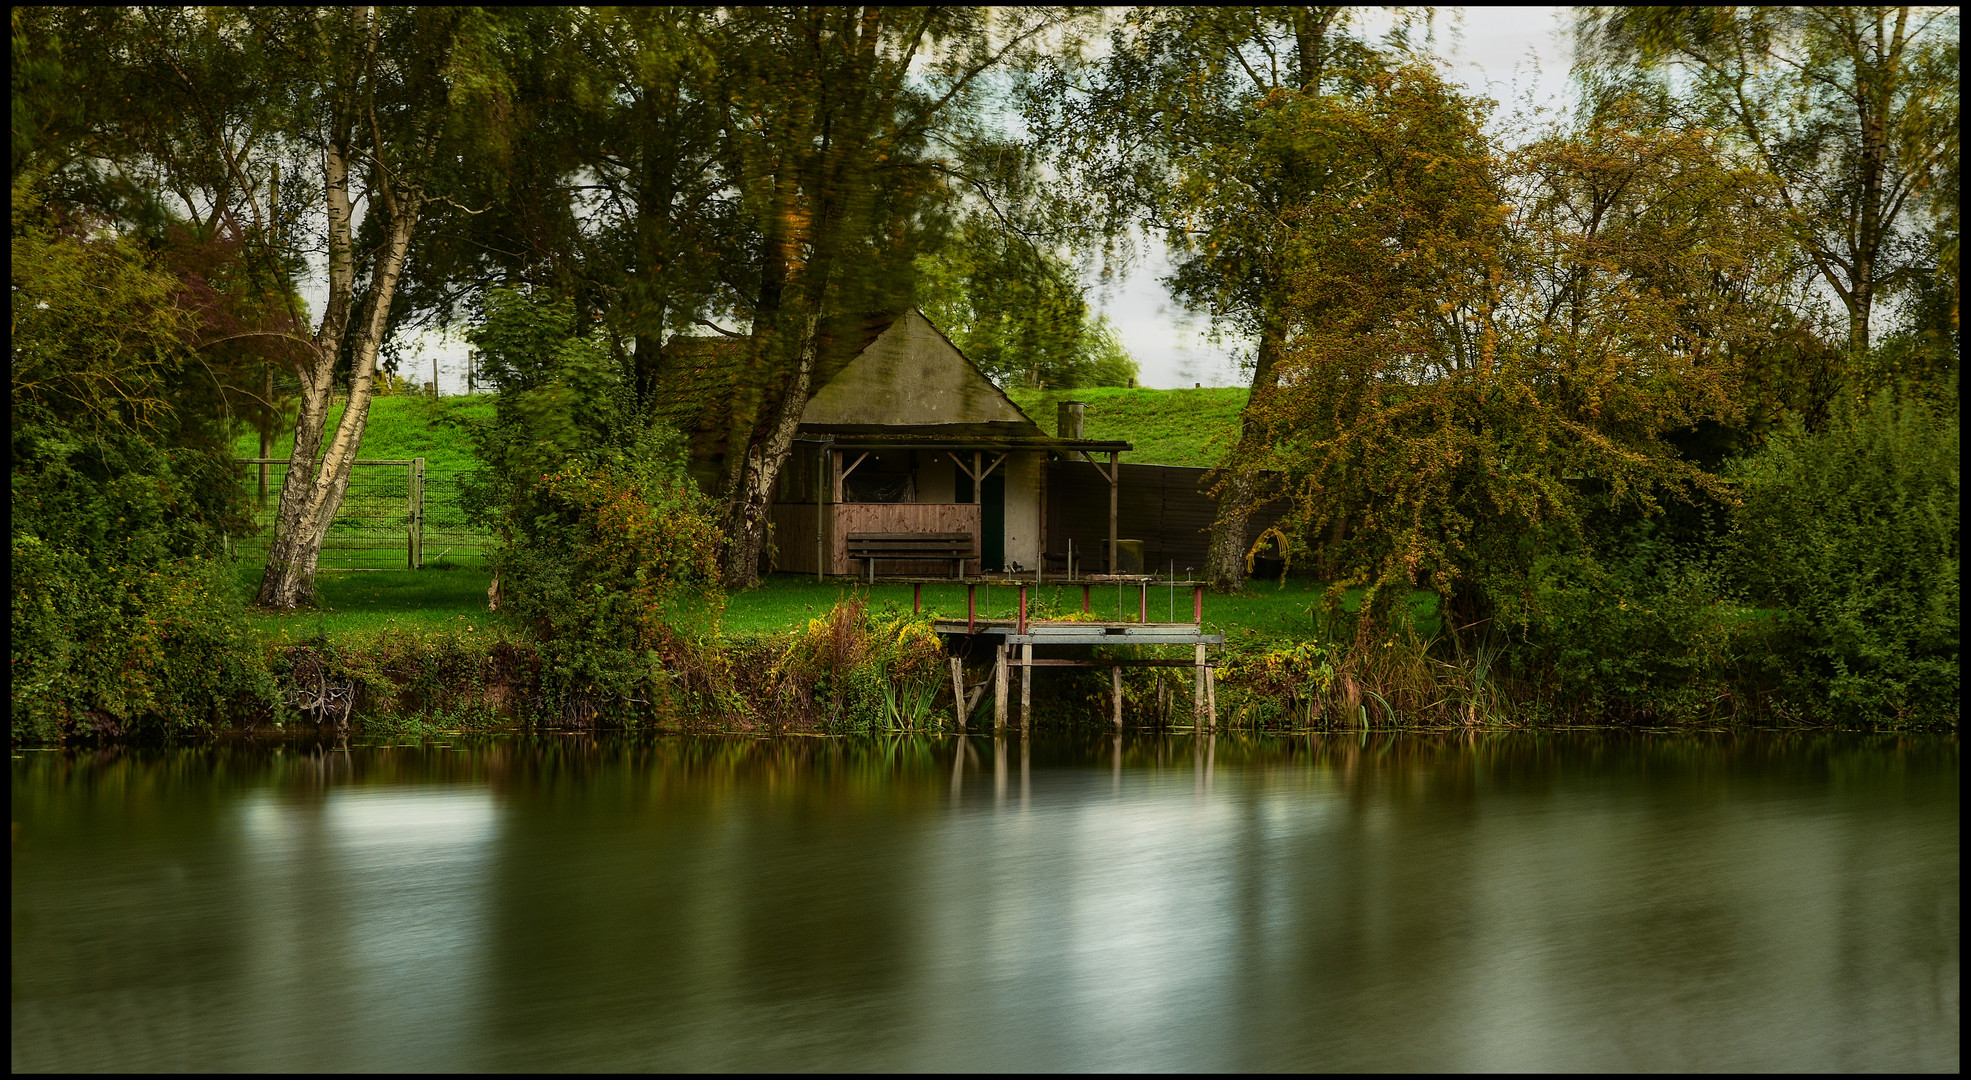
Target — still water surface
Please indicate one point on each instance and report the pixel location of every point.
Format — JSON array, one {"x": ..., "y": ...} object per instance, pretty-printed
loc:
[{"x": 1554, "y": 902}]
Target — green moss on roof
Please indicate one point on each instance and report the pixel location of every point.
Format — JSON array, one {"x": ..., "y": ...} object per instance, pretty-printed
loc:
[{"x": 1168, "y": 427}]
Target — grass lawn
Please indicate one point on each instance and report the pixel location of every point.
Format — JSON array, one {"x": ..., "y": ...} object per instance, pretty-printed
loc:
[
  {"x": 1267, "y": 612},
  {"x": 1169, "y": 427},
  {"x": 406, "y": 599},
  {"x": 456, "y": 598}
]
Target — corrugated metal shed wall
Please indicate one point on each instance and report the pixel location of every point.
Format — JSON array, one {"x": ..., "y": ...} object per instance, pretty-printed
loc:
[{"x": 1168, "y": 507}]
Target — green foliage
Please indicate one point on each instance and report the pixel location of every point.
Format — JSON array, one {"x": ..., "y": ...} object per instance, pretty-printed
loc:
[
  {"x": 561, "y": 396},
  {"x": 127, "y": 649},
  {"x": 1016, "y": 310},
  {"x": 1852, "y": 533},
  {"x": 603, "y": 568},
  {"x": 125, "y": 617},
  {"x": 413, "y": 683},
  {"x": 1658, "y": 644},
  {"x": 850, "y": 672},
  {"x": 604, "y": 544}
]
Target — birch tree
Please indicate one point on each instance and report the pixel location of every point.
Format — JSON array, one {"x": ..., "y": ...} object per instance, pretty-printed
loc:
[
  {"x": 387, "y": 105},
  {"x": 1851, "y": 110}
]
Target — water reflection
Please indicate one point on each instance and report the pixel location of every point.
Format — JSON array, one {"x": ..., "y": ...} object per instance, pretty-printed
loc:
[{"x": 1503, "y": 902}]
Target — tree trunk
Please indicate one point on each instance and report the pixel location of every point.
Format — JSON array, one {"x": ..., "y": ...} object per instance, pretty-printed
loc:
[
  {"x": 1225, "y": 558},
  {"x": 752, "y": 503},
  {"x": 317, "y": 479}
]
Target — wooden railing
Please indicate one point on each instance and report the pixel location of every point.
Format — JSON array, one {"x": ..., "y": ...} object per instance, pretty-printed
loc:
[{"x": 794, "y": 533}]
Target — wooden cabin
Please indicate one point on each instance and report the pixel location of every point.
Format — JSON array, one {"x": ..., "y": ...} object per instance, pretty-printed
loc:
[{"x": 906, "y": 436}]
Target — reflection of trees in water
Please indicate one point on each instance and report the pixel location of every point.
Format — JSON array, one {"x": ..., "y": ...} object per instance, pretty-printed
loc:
[{"x": 666, "y": 767}]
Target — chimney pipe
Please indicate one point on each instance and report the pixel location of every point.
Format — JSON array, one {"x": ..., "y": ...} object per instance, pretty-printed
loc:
[{"x": 1068, "y": 417}]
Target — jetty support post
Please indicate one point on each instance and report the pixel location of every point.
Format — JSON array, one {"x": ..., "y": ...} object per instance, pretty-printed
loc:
[
  {"x": 1115, "y": 685},
  {"x": 1198, "y": 688},
  {"x": 958, "y": 690},
  {"x": 1211, "y": 698},
  {"x": 1026, "y": 686},
  {"x": 999, "y": 686}
]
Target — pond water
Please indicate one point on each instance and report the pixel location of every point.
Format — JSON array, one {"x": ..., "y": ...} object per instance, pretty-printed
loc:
[{"x": 1557, "y": 901}]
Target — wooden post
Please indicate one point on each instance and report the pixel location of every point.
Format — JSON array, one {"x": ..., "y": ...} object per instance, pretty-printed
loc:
[
  {"x": 1115, "y": 684},
  {"x": 1023, "y": 607},
  {"x": 1211, "y": 697},
  {"x": 1040, "y": 548},
  {"x": 916, "y": 598},
  {"x": 1198, "y": 688},
  {"x": 971, "y": 607},
  {"x": 266, "y": 438},
  {"x": 820, "y": 514},
  {"x": 1115, "y": 480},
  {"x": 958, "y": 692},
  {"x": 414, "y": 525},
  {"x": 999, "y": 686},
  {"x": 1084, "y": 597},
  {"x": 1026, "y": 686},
  {"x": 1197, "y": 605},
  {"x": 1143, "y": 602}
]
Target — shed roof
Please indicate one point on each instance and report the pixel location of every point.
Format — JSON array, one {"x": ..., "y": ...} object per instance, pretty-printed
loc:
[{"x": 906, "y": 384}]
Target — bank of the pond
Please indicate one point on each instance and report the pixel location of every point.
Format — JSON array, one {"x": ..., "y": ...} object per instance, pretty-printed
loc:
[{"x": 417, "y": 653}]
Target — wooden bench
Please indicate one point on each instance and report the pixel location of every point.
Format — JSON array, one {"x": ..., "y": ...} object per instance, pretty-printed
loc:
[{"x": 955, "y": 546}]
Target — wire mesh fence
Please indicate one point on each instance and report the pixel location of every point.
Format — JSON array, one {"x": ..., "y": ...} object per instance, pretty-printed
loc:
[{"x": 396, "y": 515}]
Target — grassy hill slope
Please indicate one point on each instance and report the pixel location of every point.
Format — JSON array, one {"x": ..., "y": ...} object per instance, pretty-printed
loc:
[
  {"x": 1168, "y": 427},
  {"x": 401, "y": 426}
]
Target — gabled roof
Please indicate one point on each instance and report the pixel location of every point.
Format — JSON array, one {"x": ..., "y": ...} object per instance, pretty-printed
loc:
[{"x": 905, "y": 377}]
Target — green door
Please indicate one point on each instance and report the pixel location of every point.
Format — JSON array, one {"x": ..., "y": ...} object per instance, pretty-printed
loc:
[{"x": 992, "y": 518}]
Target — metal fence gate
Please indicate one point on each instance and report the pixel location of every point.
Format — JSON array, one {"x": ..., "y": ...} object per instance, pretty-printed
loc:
[{"x": 396, "y": 515}]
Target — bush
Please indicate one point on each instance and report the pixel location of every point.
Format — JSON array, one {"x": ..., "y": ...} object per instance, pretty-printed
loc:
[
  {"x": 126, "y": 616},
  {"x": 604, "y": 565},
  {"x": 1649, "y": 640},
  {"x": 127, "y": 648},
  {"x": 1852, "y": 534},
  {"x": 865, "y": 673}
]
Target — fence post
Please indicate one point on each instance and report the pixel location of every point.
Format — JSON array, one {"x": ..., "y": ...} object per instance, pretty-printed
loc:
[{"x": 415, "y": 526}]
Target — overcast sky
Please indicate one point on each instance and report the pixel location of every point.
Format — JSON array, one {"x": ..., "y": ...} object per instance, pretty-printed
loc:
[{"x": 1517, "y": 56}]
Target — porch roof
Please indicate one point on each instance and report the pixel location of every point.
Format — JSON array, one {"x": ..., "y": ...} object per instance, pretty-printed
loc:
[{"x": 897, "y": 440}]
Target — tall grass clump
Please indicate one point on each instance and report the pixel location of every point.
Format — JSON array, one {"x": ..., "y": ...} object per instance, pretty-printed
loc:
[{"x": 847, "y": 672}]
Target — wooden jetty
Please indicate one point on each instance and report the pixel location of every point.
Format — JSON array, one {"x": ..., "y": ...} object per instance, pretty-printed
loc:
[{"x": 1013, "y": 642}]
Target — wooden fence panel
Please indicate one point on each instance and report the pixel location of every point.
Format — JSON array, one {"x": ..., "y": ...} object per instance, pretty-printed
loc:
[
  {"x": 1168, "y": 507},
  {"x": 793, "y": 537}
]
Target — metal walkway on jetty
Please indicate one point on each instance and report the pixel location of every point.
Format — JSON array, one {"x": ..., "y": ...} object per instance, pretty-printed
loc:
[{"x": 1014, "y": 640}]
